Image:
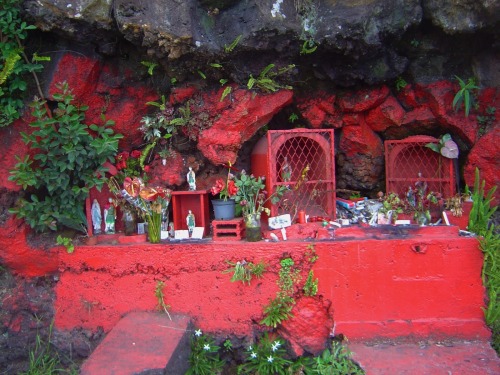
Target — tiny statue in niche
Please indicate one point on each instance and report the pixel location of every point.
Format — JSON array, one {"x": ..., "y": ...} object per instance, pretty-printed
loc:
[
  {"x": 286, "y": 171},
  {"x": 109, "y": 217},
  {"x": 190, "y": 221},
  {"x": 96, "y": 216},
  {"x": 171, "y": 230},
  {"x": 191, "y": 179}
]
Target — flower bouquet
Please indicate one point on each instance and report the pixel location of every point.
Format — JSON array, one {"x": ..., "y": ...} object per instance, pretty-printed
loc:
[{"x": 152, "y": 203}]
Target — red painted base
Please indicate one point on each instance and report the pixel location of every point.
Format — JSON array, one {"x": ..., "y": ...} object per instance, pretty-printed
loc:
[
  {"x": 386, "y": 281},
  {"x": 382, "y": 282}
]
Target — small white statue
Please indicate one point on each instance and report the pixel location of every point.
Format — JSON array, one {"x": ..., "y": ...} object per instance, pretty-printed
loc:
[
  {"x": 96, "y": 216},
  {"x": 190, "y": 221},
  {"x": 191, "y": 179},
  {"x": 171, "y": 230},
  {"x": 109, "y": 217}
]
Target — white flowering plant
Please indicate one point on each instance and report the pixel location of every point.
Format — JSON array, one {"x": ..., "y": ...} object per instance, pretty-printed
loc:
[
  {"x": 267, "y": 357},
  {"x": 204, "y": 358}
]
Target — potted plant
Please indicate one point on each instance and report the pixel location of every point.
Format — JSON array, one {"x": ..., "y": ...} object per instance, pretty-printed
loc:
[
  {"x": 225, "y": 190},
  {"x": 391, "y": 207},
  {"x": 421, "y": 203},
  {"x": 458, "y": 208},
  {"x": 454, "y": 208},
  {"x": 252, "y": 197}
]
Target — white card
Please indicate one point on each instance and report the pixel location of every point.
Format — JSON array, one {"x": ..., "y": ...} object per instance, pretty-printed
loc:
[
  {"x": 181, "y": 234},
  {"x": 198, "y": 232},
  {"x": 278, "y": 222}
]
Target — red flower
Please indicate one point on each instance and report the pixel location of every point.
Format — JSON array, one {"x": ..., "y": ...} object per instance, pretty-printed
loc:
[
  {"x": 225, "y": 188},
  {"x": 121, "y": 164},
  {"x": 218, "y": 187},
  {"x": 146, "y": 168},
  {"x": 135, "y": 154},
  {"x": 232, "y": 189},
  {"x": 121, "y": 160},
  {"x": 133, "y": 186}
]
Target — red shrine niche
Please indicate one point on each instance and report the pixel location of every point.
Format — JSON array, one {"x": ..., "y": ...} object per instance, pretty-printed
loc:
[
  {"x": 303, "y": 160},
  {"x": 409, "y": 160}
]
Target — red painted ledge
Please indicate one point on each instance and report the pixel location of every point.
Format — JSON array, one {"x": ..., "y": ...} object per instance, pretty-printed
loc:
[{"x": 382, "y": 282}]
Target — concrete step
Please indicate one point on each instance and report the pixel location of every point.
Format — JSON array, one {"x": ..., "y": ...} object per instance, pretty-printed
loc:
[
  {"x": 142, "y": 343},
  {"x": 426, "y": 357}
]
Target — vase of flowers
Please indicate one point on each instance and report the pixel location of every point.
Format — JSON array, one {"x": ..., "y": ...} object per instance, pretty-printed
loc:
[
  {"x": 252, "y": 197},
  {"x": 422, "y": 204},
  {"x": 152, "y": 203},
  {"x": 225, "y": 189}
]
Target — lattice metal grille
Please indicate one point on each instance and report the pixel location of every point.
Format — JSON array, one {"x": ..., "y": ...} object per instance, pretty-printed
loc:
[
  {"x": 406, "y": 159},
  {"x": 303, "y": 160}
]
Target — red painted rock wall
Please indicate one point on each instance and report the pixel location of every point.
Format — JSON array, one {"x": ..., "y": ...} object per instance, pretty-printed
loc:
[
  {"x": 370, "y": 287},
  {"x": 220, "y": 128}
]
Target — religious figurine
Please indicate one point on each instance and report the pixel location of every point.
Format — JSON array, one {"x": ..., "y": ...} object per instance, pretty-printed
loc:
[
  {"x": 96, "y": 216},
  {"x": 286, "y": 171},
  {"x": 190, "y": 221},
  {"x": 191, "y": 179},
  {"x": 109, "y": 217},
  {"x": 171, "y": 230}
]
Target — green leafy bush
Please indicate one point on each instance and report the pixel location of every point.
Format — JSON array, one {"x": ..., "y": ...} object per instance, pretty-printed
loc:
[
  {"x": 67, "y": 160},
  {"x": 13, "y": 61},
  {"x": 480, "y": 222}
]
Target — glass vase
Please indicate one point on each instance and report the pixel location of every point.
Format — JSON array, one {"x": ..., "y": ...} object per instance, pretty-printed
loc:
[
  {"x": 129, "y": 223},
  {"x": 154, "y": 227},
  {"x": 253, "y": 231}
]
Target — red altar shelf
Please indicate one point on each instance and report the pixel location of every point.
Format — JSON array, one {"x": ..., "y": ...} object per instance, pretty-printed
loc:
[{"x": 197, "y": 202}]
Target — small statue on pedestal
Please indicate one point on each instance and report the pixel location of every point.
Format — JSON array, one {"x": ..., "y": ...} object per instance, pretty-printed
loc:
[
  {"x": 191, "y": 179},
  {"x": 96, "y": 216},
  {"x": 109, "y": 217},
  {"x": 171, "y": 230},
  {"x": 190, "y": 221}
]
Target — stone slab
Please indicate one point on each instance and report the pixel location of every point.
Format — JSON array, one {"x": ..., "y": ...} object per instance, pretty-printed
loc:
[
  {"x": 142, "y": 342},
  {"x": 426, "y": 357}
]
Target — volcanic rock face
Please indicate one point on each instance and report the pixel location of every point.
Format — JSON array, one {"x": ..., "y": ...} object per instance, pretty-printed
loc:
[
  {"x": 358, "y": 40},
  {"x": 462, "y": 16}
]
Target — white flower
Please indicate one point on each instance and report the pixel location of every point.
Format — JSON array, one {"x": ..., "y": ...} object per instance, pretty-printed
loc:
[
  {"x": 253, "y": 355},
  {"x": 206, "y": 347},
  {"x": 270, "y": 359},
  {"x": 197, "y": 332},
  {"x": 250, "y": 348},
  {"x": 275, "y": 346}
]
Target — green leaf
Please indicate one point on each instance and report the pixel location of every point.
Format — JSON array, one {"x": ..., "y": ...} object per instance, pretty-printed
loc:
[
  {"x": 225, "y": 93},
  {"x": 433, "y": 146}
]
